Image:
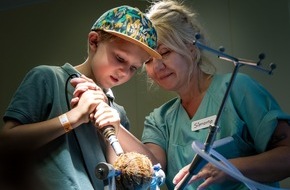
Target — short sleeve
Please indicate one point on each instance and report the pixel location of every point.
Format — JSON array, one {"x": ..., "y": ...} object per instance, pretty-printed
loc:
[
  {"x": 32, "y": 98},
  {"x": 258, "y": 109}
]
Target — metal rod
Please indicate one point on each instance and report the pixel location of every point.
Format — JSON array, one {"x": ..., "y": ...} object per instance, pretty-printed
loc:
[{"x": 197, "y": 160}]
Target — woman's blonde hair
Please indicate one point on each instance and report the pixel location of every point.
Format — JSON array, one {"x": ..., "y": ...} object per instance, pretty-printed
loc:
[{"x": 177, "y": 27}]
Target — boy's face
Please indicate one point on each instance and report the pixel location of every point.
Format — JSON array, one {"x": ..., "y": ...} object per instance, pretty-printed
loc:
[{"x": 116, "y": 61}]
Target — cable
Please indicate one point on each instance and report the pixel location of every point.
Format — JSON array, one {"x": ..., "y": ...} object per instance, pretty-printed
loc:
[
  {"x": 71, "y": 76},
  {"x": 73, "y": 131}
]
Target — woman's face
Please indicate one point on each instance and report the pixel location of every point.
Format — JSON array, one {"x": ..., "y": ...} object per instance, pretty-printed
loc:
[
  {"x": 171, "y": 73},
  {"x": 116, "y": 61}
]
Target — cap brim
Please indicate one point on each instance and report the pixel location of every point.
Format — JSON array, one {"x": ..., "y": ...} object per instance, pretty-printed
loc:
[{"x": 151, "y": 51}]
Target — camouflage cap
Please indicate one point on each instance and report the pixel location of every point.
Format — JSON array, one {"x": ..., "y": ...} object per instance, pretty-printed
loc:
[{"x": 129, "y": 24}]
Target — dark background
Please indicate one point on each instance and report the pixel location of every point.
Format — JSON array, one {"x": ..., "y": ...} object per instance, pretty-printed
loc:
[{"x": 52, "y": 32}]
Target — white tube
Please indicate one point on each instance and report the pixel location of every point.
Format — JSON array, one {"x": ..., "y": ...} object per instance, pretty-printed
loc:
[{"x": 224, "y": 165}]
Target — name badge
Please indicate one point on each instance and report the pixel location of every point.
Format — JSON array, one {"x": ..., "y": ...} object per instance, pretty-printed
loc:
[{"x": 203, "y": 123}]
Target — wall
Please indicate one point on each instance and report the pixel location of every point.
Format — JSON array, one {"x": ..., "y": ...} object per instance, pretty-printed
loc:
[{"x": 54, "y": 32}]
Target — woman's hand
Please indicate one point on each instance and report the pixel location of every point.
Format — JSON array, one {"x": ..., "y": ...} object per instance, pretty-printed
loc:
[{"x": 209, "y": 174}]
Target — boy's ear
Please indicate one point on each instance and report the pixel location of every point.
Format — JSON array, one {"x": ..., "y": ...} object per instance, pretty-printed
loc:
[{"x": 93, "y": 39}]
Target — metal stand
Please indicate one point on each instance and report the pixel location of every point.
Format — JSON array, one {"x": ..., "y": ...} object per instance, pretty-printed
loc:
[
  {"x": 107, "y": 173},
  {"x": 193, "y": 169}
]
